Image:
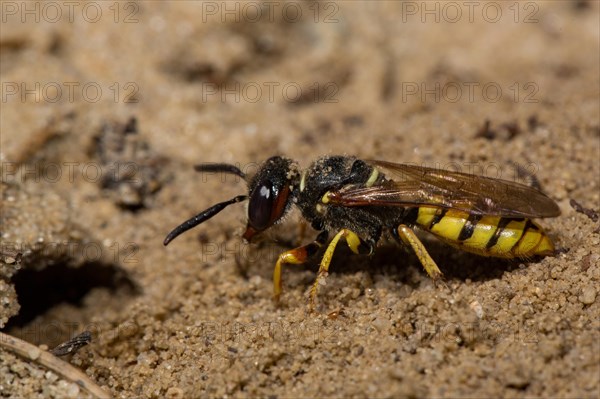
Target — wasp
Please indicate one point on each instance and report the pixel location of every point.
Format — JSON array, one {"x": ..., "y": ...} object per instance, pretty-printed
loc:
[{"x": 359, "y": 200}]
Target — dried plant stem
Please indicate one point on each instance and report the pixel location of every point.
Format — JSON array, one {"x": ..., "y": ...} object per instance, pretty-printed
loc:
[{"x": 46, "y": 359}]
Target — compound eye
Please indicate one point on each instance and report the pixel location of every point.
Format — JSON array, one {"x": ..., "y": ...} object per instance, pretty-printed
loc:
[{"x": 261, "y": 205}]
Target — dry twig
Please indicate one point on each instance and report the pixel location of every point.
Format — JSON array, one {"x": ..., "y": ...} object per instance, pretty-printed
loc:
[{"x": 48, "y": 360}]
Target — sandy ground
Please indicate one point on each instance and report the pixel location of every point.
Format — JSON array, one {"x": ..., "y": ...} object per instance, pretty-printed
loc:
[{"x": 88, "y": 194}]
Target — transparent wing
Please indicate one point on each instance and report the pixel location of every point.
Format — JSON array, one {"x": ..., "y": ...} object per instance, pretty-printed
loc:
[{"x": 410, "y": 185}]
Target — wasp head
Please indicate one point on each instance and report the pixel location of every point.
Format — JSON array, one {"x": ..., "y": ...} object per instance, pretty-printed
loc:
[{"x": 269, "y": 194}]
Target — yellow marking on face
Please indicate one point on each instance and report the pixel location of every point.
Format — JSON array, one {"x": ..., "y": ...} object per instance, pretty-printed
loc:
[
  {"x": 303, "y": 181},
  {"x": 373, "y": 177},
  {"x": 325, "y": 198},
  {"x": 320, "y": 208}
]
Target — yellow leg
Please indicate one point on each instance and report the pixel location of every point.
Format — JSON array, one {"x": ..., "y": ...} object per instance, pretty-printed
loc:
[
  {"x": 354, "y": 243},
  {"x": 409, "y": 237},
  {"x": 295, "y": 256}
]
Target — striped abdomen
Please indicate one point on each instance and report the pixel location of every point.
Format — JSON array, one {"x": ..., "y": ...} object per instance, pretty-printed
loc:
[{"x": 485, "y": 235}]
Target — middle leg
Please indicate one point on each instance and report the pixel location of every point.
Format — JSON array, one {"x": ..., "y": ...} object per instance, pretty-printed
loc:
[{"x": 356, "y": 245}]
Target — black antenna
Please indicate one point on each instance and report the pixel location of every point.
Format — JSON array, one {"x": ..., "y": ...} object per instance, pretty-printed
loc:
[
  {"x": 202, "y": 217},
  {"x": 220, "y": 167}
]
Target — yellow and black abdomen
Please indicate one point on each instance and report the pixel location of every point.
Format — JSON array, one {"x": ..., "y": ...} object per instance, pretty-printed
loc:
[{"x": 485, "y": 235}]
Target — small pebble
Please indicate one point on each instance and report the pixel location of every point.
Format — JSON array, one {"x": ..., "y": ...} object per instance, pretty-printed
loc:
[
  {"x": 477, "y": 308},
  {"x": 34, "y": 353},
  {"x": 174, "y": 393},
  {"x": 382, "y": 324},
  {"x": 588, "y": 295}
]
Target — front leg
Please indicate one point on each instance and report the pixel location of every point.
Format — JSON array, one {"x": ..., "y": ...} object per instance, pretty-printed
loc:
[
  {"x": 295, "y": 256},
  {"x": 356, "y": 245}
]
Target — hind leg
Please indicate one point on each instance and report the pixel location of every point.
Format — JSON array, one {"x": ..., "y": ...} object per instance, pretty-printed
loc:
[{"x": 407, "y": 235}]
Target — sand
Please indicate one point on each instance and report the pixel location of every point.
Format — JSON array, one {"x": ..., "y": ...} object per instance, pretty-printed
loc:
[{"x": 107, "y": 106}]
